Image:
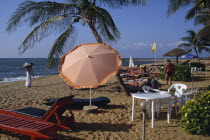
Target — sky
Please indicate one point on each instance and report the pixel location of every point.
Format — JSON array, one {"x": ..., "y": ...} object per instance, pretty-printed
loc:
[{"x": 139, "y": 27}]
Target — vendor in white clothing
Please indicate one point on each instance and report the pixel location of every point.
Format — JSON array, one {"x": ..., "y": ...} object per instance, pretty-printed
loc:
[{"x": 29, "y": 73}]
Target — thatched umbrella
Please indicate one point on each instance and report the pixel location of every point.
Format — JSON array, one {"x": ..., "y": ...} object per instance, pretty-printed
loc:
[{"x": 177, "y": 52}]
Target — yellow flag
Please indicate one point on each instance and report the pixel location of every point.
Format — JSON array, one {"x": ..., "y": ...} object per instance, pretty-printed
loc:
[{"x": 154, "y": 47}]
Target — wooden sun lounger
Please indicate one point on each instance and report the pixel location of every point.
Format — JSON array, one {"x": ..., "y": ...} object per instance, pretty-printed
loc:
[
  {"x": 29, "y": 126},
  {"x": 53, "y": 114}
]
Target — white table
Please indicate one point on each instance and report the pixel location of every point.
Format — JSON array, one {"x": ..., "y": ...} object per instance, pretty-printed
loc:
[{"x": 151, "y": 96}]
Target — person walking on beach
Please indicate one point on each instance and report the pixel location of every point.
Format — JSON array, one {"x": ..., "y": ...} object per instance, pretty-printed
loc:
[
  {"x": 29, "y": 73},
  {"x": 169, "y": 73}
]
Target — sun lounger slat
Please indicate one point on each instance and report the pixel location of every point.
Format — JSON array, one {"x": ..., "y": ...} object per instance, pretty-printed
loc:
[
  {"x": 27, "y": 126},
  {"x": 19, "y": 123},
  {"x": 35, "y": 126},
  {"x": 4, "y": 117},
  {"x": 15, "y": 122}
]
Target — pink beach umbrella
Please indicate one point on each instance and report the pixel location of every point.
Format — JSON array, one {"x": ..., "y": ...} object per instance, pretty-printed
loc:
[{"x": 89, "y": 65}]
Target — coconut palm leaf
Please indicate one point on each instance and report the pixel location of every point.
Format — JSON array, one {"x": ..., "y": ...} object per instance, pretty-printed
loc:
[
  {"x": 202, "y": 17},
  {"x": 187, "y": 38},
  {"x": 59, "y": 45},
  {"x": 106, "y": 25},
  {"x": 120, "y": 3},
  {"x": 175, "y": 5},
  {"x": 111, "y": 3},
  {"x": 204, "y": 32},
  {"x": 37, "y": 12},
  {"x": 185, "y": 46},
  {"x": 205, "y": 49},
  {"x": 42, "y": 30},
  {"x": 193, "y": 11}
]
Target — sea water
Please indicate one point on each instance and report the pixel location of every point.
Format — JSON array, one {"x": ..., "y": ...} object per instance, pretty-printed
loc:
[{"x": 11, "y": 69}]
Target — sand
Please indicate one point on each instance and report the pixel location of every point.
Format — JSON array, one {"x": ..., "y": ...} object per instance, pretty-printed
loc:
[{"x": 110, "y": 123}]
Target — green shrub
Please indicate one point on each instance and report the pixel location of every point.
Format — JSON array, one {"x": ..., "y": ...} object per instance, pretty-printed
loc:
[
  {"x": 198, "y": 65},
  {"x": 195, "y": 115},
  {"x": 182, "y": 73},
  {"x": 161, "y": 76}
]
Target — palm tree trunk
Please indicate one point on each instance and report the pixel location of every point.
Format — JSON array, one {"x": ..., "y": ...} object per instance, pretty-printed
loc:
[
  {"x": 196, "y": 51},
  {"x": 122, "y": 85},
  {"x": 95, "y": 33},
  {"x": 99, "y": 40}
]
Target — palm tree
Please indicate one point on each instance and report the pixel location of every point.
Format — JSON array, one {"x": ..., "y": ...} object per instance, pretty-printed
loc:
[
  {"x": 190, "y": 43},
  {"x": 203, "y": 18},
  {"x": 61, "y": 17},
  {"x": 200, "y": 12}
]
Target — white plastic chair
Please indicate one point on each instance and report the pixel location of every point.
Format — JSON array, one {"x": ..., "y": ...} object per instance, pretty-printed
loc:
[
  {"x": 193, "y": 69},
  {"x": 178, "y": 97},
  {"x": 180, "y": 89},
  {"x": 198, "y": 70},
  {"x": 189, "y": 93},
  {"x": 146, "y": 89}
]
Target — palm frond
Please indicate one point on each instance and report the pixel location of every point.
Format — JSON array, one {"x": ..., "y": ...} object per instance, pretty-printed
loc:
[
  {"x": 207, "y": 49},
  {"x": 204, "y": 32},
  {"x": 41, "y": 31},
  {"x": 120, "y": 3},
  {"x": 106, "y": 25},
  {"x": 175, "y": 5},
  {"x": 185, "y": 46},
  {"x": 137, "y": 2},
  {"x": 37, "y": 12},
  {"x": 187, "y": 38},
  {"x": 202, "y": 17},
  {"x": 59, "y": 45},
  {"x": 192, "y": 12}
]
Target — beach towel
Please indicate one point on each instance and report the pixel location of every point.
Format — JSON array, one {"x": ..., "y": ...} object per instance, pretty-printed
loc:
[{"x": 100, "y": 102}]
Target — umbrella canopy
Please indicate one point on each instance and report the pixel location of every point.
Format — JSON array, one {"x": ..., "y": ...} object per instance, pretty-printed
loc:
[
  {"x": 177, "y": 52},
  {"x": 89, "y": 65},
  {"x": 131, "y": 63},
  {"x": 188, "y": 56}
]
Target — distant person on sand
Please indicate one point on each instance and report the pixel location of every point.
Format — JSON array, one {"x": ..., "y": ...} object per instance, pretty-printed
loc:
[
  {"x": 29, "y": 73},
  {"x": 169, "y": 73}
]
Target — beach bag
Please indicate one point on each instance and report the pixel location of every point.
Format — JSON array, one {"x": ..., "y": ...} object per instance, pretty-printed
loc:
[{"x": 154, "y": 83}]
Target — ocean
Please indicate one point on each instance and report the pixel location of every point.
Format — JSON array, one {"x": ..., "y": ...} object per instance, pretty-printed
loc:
[{"x": 11, "y": 69}]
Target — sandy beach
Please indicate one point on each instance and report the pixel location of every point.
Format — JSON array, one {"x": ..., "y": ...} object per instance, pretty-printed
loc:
[{"x": 110, "y": 123}]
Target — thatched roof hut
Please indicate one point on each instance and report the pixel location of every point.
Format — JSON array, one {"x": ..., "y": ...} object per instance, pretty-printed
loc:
[{"x": 177, "y": 52}]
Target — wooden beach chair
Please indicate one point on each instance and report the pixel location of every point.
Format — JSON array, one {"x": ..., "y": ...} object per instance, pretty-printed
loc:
[
  {"x": 53, "y": 114},
  {"x": 25, "y": 125}
]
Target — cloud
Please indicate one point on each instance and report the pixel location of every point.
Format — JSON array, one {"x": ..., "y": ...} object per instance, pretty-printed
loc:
[
  {"x": 174, "y": 44},
  {"x": 160, "y": 44},
  {"x": 142, "y": 44}
]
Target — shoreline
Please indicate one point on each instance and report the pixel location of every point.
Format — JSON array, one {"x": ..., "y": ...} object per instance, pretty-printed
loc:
[{"x": 158, "y": 62}]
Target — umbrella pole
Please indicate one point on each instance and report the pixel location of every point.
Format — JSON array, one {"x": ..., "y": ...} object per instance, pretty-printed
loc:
[
  {"x": 90, "y": 96},
  {"x": 192, "y": 85}
]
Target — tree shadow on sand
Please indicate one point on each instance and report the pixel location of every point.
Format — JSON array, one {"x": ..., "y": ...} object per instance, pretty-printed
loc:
[
  {"x": 115, "y": 107},
  {"x": 102, "y": 127},
  {"x": 63, "y": 137}
]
